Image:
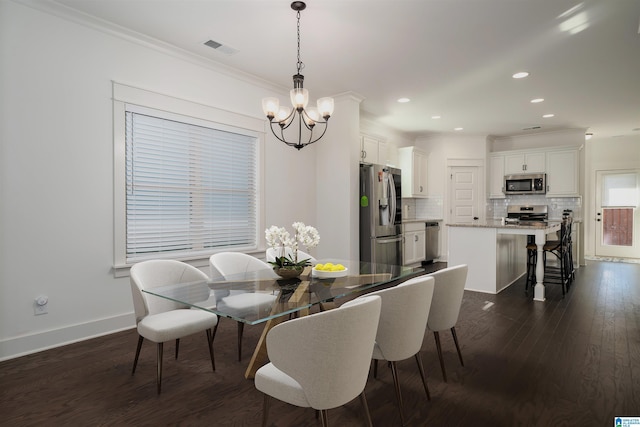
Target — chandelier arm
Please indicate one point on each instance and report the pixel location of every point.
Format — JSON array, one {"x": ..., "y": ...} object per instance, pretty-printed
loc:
[
  {"x": 314, "y": 120},
  {"x": 281, "y": 139},
  {"x": 300, "y": 122},
  {"x": 318, "y": 138}
]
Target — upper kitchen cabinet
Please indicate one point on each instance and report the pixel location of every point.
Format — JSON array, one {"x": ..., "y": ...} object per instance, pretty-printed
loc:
[
  {"x": 524, "y": 162},
  {"x": 374, "y": 151},
  {"x": 414, "y": 164},
  {"x": 561, "y": 165},
  {"x": 496, "y": 176},
  {"x": 562, "y": 173}
]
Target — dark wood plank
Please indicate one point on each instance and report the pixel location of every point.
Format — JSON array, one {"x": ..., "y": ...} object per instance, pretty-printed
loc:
[{"x": 567, "y": 361}]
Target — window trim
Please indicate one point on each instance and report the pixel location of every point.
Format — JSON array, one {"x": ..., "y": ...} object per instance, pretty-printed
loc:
[{"x": 171, "y": 106}]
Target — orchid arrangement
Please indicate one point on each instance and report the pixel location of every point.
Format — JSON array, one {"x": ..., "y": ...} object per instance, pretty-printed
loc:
[{"x": 280, "y": 240}]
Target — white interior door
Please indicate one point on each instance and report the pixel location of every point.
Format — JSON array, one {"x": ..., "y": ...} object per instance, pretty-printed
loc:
[
  {"x": 465, "y": 206},
  {"x": 617, "y": 213}
]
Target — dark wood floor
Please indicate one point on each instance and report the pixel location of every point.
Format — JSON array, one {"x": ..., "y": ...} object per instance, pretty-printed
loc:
[{"x": 565, "y": 362}]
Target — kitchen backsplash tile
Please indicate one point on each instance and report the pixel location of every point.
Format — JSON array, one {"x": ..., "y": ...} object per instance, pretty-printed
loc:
[
  {"x": 497, "y": 208},
  {"x": 434, "y": 207}
]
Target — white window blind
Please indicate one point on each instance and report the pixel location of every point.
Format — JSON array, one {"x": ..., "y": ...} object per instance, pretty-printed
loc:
[
  {"x": 620, "y": 190},
  {"x": 190, "y": 189}
]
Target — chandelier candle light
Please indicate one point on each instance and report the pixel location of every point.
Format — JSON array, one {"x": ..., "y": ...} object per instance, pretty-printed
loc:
[{"x": 283, "y": 117}]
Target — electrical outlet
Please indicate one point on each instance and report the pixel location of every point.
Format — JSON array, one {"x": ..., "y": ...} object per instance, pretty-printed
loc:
[{"x": 40, "y": 305}]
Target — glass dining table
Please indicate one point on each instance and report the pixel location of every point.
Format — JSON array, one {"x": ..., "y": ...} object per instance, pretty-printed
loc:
[{"x": 262, "y": 297}]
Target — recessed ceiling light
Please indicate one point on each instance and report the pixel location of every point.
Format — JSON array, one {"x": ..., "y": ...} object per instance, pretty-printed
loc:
[
  {"x": 535, "y": 101},
  {"x": 520, "y": 75},
  {"x": 546, "y": 116},
  {"x": 403, "y": 100},
  {"x": 435, "y": 117},
  {"x": 458, "y": 128}
]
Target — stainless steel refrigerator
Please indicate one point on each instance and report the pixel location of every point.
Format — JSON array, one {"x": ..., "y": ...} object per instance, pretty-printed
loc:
[{"x": 380, "y": 214}]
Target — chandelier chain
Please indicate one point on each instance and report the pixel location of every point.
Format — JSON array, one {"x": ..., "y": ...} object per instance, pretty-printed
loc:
[{"x": 300, "y": 65}]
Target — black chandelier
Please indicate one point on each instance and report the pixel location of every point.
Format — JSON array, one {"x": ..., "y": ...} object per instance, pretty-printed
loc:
[{"x": 280, "y": 118}]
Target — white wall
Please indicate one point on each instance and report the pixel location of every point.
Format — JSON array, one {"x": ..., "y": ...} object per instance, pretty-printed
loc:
[
  {"x": 442, "y": 150},
  {"x": 56, "y": 166}
]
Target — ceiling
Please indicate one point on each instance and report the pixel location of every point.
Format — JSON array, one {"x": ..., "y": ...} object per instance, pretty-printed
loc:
[{"x": 452, "y": 58}]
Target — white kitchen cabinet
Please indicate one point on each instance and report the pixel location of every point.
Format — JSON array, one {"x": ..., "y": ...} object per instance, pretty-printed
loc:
[
  {"x": 414, "y": 250},
  {"x": 524, "y": 162},
  {"x": 373, "y": 150},
  {"x": 369, "y": 150},
  {"x": 562, "y": 173},
  {"x": 496, "y": 176},
  {"x": 414, "y": 164}
]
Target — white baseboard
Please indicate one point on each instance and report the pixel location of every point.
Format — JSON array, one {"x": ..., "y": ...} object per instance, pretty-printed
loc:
[{"x": 40, "y": 341}]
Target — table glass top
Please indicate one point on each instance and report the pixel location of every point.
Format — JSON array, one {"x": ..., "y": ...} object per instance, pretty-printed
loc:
[{"x": 255, "y": 297}]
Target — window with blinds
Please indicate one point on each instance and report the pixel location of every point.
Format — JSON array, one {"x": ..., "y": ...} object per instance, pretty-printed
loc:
[{"x": 191, "y": 189}]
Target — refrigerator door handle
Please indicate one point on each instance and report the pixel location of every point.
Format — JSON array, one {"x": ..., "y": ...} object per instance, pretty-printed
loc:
[
  {"x": 392, "y": 196},
  {"x": 393, "y": 240}
]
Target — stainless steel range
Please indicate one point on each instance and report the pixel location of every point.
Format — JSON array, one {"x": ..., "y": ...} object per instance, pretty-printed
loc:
[{"x": 527, "y": 214}]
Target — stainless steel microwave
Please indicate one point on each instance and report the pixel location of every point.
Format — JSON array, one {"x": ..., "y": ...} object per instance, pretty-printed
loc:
[{"x": 525, "y": 184}]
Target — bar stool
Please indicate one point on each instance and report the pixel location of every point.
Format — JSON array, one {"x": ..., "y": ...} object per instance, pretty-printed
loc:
[{"x": 563, "y": 274}]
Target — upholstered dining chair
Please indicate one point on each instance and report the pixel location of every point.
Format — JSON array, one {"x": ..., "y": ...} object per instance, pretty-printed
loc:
[
  {"x": 160, "y": 320},
  {"x": 231, "y": 263},
  {"x": 321, "y": 360},
  {"x": 271, "y": 254},
  {"x": 403, "y": 323},
  {"x": 445, "y": 306}
]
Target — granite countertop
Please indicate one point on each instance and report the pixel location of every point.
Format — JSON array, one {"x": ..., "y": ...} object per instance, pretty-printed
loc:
[
  {"x": 498, "y": 223},
  {"x": 404, "y": 220}
]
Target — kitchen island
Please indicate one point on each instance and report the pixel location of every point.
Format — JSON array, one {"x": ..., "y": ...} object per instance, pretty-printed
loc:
[{"x": 495, "y": 253}]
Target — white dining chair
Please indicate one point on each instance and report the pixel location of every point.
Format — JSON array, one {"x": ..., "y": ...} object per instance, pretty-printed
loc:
[
  {"x": 445, "y": 307},
  {"x": 228, "y": 264},
  {"x": 403, "y": 323},
  {"x": 321, "y": 360},
  {"x": 160, "y": 320},
  {"x": 271, "y": 254}
]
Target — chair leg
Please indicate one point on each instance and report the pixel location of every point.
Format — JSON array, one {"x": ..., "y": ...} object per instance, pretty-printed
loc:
[
  {"x": 365, "y": 406},
  {"x": 159, "y": 366},
  {"x": 265, "y": 410},
  {"x": 455, "y": 340},
  {"x": 396, "y": 385},
  {"x": 324, "y": 418},
  {"x": 375, "y": 368},
  {"x": 135, "y": 360},
  {"x": 177, "y": 347},
  {"x": 422, "y": 375},
  {"x": 240, "y": 333},
  {"x": 436, "y": 335},
  {"x": 210, "y": 337}
]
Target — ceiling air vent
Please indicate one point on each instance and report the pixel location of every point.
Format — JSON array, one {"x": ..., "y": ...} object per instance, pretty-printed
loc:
[
  {"x": 532, "y": 128},
  {"x": 220, "y": 47}
]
